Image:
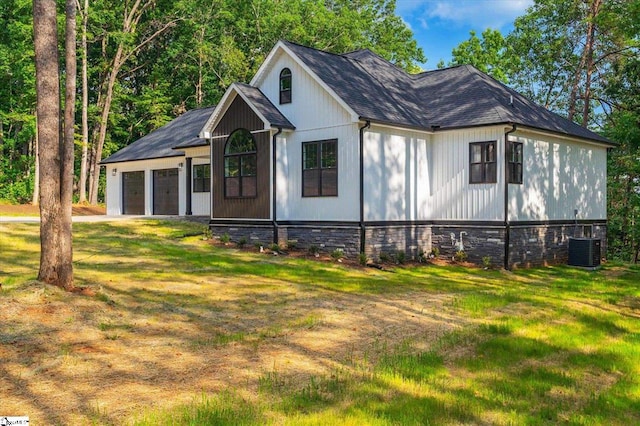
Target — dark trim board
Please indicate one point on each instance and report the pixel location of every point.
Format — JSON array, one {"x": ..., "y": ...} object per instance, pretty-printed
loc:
[{"x": 471, "y": 223}]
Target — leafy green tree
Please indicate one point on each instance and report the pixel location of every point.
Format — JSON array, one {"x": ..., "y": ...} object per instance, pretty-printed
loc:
[
  {"x": 489, "y": 54},
  {"x": 17, "y": 101},
  {"x": 624, "y": 161},
  {"x": 563, "y": 51}
]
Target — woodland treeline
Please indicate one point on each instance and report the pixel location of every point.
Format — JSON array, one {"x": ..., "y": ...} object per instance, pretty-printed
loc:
[{"x": 141, "y": 63}]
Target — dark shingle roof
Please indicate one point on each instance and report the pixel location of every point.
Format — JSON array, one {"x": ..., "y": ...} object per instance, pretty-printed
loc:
[
  {"x": 455, "y": 97},
  {"x": 181, "y": 132},
  {"x": 265, "y": 106}
]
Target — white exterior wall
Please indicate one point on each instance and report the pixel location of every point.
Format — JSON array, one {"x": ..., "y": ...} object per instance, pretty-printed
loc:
[
  {"x": 452, "y": 196},
  {"x": 396, "y": 175},
  {"x": 114, "y": 183},
  {"x": 559, "y": 175},
  {"x": 316, "y": 116},
  {"x": 200, "y": 201},
  {"x": 422, "y": 176}
]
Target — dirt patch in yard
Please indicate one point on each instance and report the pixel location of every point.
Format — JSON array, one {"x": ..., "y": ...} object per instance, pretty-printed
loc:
[
  {"x": 31, "y": 210},
  {"x": 76, "y": 359}
]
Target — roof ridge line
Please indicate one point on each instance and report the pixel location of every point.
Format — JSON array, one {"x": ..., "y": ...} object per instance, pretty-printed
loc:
[
  {"x": 313, "y": 48},
  {"x": 477, "y": 75},
  {"x": 409, "y": 114}
]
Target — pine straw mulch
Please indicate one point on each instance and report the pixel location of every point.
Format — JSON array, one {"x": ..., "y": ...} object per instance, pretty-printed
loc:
[{"x": 68, "y": 358}]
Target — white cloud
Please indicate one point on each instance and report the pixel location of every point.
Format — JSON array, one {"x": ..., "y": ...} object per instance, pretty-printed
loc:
[{"x": 479, "y": 14}]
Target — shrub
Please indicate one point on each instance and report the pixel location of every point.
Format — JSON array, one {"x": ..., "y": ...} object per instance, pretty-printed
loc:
[
  {"x": 362, "y": 258},
  {"x": 401, "y": 257},
  {"x": 337, "y": 254},
  {"x": 435, "y": 252},
  {"x": 486, "y": 262},
  {"x": 292, "y": 244},
  {"x": 422, "y": 256},
  {"x": 274, "y": 247},
  {"x": 242, "y": 242},
  {"x": 314, "y": 250},
  {"x": 225, "y": 238},
  {"x": 460, "y": 256},
  {"x": 383, "y": 257}
]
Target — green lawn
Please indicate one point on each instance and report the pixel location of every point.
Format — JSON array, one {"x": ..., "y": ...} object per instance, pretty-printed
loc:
[{"x": 539, "y": 346}]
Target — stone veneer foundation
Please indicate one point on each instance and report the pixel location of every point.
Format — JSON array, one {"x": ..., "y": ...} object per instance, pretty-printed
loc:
[{"x": 529, "y": 244}]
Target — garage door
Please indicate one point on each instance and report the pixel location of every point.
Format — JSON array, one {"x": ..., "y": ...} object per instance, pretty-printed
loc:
[
  {"x": 165, "y": 191},
  {"x": 133, "y": 193}
]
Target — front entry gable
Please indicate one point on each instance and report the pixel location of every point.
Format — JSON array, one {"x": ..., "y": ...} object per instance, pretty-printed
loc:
[
  {"x": 244, "y": 106},
  {"x": 240, "y": 180}
]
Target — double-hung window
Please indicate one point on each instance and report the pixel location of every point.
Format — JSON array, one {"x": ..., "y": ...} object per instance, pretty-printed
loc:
[
  {"x": 240, "y": 165},
  {"x": 482, "y": 162},
  {"x": 320, "y": 168},
  {"x": 514, "y": 162},
  {"x": 201, "y": 178}
]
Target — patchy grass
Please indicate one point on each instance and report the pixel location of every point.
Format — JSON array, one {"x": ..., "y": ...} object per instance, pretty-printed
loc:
[{"x": 183, "y": 332}]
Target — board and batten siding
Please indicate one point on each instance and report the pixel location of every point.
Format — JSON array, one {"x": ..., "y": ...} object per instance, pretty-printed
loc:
[
  {"x": 396, "y": 175},
  {"x": 452, "y": 196},
  {"x": 200, "y": 201},
  {"x": 559, "y": 176},
  {"x": 114, "y": 183},
  {"x": 316, "y": 116},
  {"x": 291, "y": 205},
  {"x": 311, "y": 107}
]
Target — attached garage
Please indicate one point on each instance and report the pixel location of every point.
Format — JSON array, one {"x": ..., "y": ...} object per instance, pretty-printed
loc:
[
  {"x": 133, "y": 192},
  {"x": 165, "y": 192},
  {"x": 155, "y": 174}
]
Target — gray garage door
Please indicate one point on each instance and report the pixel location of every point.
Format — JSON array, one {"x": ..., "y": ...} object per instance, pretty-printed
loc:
[
  {"x": 133, "y": 193},
  {"x": 165, "y": 191}
]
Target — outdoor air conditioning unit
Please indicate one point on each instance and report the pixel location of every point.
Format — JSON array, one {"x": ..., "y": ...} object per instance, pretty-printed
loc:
[{"x": 584, "y": 252}]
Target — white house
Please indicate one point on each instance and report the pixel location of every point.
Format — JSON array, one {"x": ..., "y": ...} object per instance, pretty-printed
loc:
[{"x": 348, "y": 151}]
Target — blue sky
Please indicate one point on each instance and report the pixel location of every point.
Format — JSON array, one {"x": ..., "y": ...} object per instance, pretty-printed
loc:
[{"x": 440, "y": 25}]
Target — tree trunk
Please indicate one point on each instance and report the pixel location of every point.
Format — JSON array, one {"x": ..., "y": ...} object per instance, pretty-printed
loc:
[
  {"x": 66, "y": 168},
  {"x": 82, "y": 187},
  {"x": 36, "y": 174},
  {"x": 129, "y": 26},
  {"x": 102, "y": 127},
  {"x": 51, "y": 271},
  {"x": 589, "y": 63}
]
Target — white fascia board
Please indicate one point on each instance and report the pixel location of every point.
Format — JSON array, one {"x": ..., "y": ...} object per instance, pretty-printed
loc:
[
  {"x": 221, "y": 108},
  {"x": 217, "y": 113},
  {"x": 266, "y": 65},
  {"x": 525, "y": 129}
]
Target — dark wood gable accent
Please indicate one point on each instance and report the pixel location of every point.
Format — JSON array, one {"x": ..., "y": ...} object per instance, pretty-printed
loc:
[{"x": 240, "y": 115}]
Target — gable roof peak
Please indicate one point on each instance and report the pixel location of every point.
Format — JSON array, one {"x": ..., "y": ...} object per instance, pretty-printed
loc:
[{"x": 460, "y": 96}]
